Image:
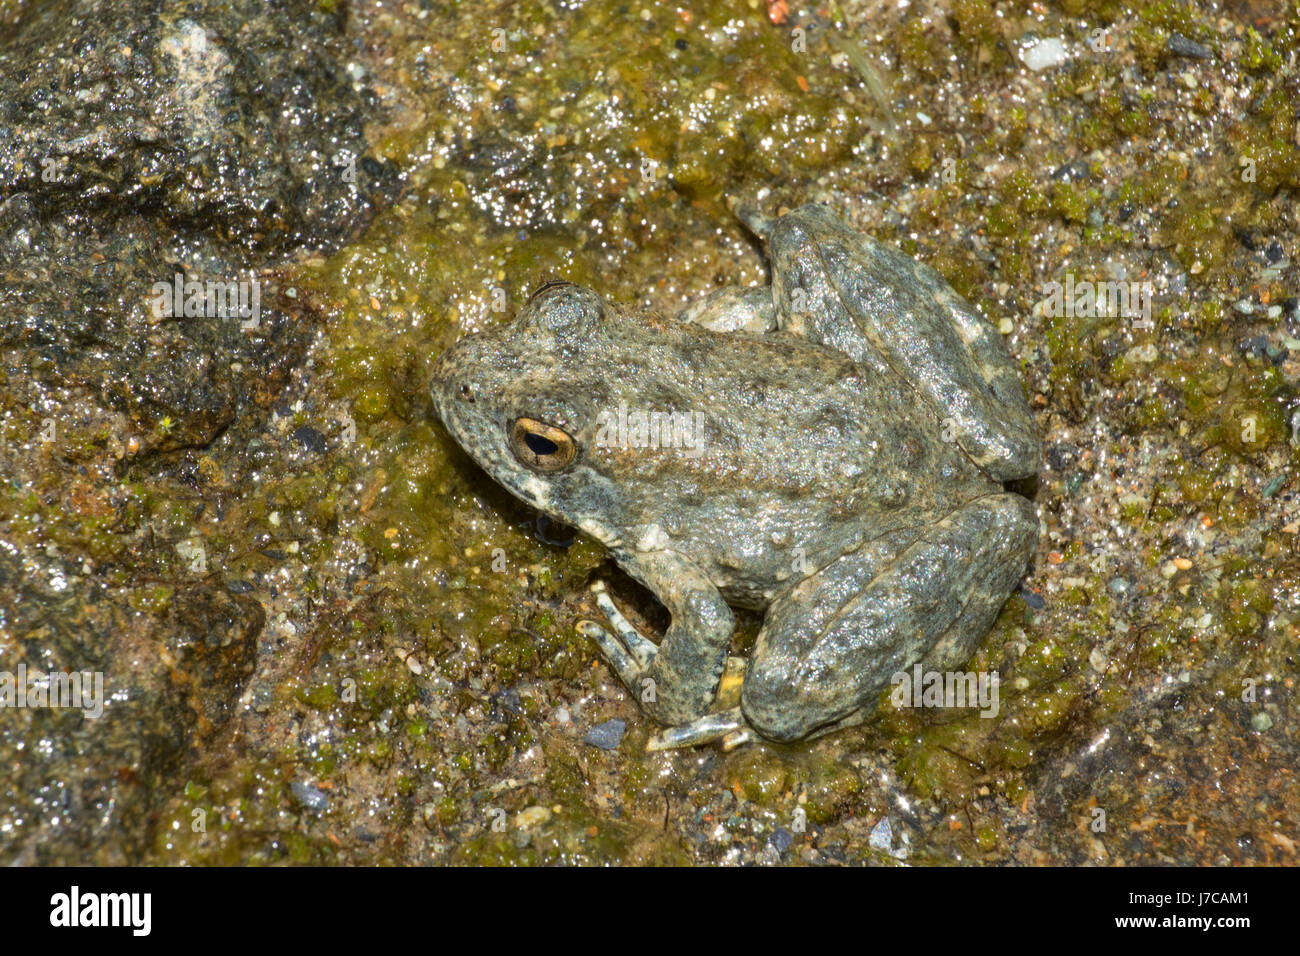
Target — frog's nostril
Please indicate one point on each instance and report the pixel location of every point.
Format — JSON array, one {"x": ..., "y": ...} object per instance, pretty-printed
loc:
[{"x": 467, "y": 394}]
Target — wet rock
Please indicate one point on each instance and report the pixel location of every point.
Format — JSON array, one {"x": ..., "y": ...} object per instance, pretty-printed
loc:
[
  {"x": 157, "y": 161},
  {"x": 87, "y": 788},
  {"x": 144, "y": 145},
  {"x": 77, "y": 310},
  {"x": 606, "y": 736},
  {"x": 232, "y": 119},
  {"x": 1181, "y": 751},
  {"x": 1180, "y": 45}
]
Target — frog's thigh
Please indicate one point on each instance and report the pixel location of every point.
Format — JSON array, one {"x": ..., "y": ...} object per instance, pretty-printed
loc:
[
  {"x": 895, "y": 315},
  {"x": 733, "y": 309},
  {"x": 829, "y": 646}
]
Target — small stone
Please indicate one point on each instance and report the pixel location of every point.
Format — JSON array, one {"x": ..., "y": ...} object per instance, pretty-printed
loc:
[
  {"x": 1273, "y": 486},
  {"x": 530, "y": 818},
  {"x": 1261, "y": 721},
  {"x": 606, "y": 736},
  {"x": 309, "y": 796},
  {"x": 882, "y": 835},
  {"x": 1032, "y": 598},
  {"x": 1073, "y": 172},
  {"x": 781, "y": 840},
  {"x": 1044, "y": 54},
  {"x": 310, "y": 438},
  {"x": 1179, "y": 45}
]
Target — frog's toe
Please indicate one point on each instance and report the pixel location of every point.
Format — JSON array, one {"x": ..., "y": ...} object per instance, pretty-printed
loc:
[
  {"x": 755, "y": 220},
  {"x": 729, "y": 726},
  {"x": 641, "y": 649},
  {"x": 627, "y": 651},
  {"x": 628, "y": 670}
]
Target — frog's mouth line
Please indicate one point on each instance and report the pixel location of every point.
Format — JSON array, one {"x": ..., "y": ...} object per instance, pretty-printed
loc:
[{"x": 472, "y": 436}]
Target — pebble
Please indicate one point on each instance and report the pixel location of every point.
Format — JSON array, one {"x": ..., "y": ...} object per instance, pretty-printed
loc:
[
  {"x": 531, "y": 818},
  {"x": 781, "y": 840},
  {"x": 309, "y": 796},
  {"x": 310, "y": 438},
  {"x": 1181, "y": 46},
  {"x": 606, "y": 736},
  {"x": 882, "y": 835},
  {"x": 1044, "y": 54}
]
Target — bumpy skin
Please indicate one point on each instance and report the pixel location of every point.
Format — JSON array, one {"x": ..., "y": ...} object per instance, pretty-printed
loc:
[{"x": 859, "y": 419}]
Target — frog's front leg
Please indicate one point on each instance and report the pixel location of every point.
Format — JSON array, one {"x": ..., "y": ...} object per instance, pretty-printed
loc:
[{"x": 676, "y": 681}]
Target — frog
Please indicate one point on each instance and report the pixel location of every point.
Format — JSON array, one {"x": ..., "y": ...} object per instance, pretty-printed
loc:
[{"x": 860, "y": 426}]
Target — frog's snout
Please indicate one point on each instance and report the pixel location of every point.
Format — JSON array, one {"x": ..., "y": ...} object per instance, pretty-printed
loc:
[{"x": 448, "y": 388}]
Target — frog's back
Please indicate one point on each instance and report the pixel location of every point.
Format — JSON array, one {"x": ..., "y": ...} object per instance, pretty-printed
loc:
[{"x": 802, "y": 448}]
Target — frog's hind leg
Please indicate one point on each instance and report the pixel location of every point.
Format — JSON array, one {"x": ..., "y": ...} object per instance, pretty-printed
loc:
[
  {"x": 899, "y": 317},
  {"x": 834, "y": 642}
]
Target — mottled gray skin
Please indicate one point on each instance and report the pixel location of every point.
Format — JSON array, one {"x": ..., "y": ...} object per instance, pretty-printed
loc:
[{"x": 860, "y": 419}]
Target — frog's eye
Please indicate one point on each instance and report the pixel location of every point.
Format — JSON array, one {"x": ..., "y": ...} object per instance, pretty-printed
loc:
[
  {"x": 546, "y": 286},
  {"x": 540, "y": 446}
]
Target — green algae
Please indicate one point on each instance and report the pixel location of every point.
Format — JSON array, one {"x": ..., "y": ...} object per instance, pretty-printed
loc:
[{"x": 464, "y": 576}]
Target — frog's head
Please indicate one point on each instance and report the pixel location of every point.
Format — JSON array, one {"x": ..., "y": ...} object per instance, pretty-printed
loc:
[{"x": 522, "y": 400}]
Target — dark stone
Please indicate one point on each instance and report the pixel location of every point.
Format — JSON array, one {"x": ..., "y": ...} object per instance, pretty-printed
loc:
[
  {"x": 1179, "y": 45},
  {"x": 139, "y": 140},
  {"x": 144, "y": 140},
  {"x": 1074, "y": 171},
  {"x": 781, "y": 840},
  {"x": 1060, "y": 457},
  {"x": 606, "y": 736},
  {"x": 1256, "y": 345},
  {"x": 91, "y": 790},
  {"x": 310, "y": 438},
  {"x": 211, "y": 116}
]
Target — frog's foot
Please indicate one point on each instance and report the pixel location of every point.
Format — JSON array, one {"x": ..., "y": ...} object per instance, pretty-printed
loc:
[
  {"x": 627, "y": 651},
  {"x": 729, "y": 726},
  {"x": 638, "y": 663}
]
